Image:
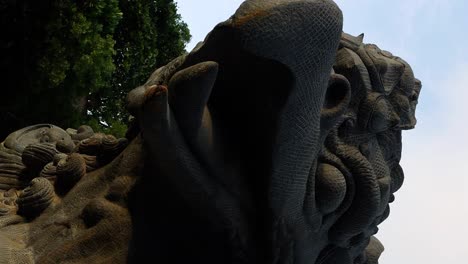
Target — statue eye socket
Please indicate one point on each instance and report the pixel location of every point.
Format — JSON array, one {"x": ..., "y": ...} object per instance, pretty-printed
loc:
[{"x": 45, "y": 139}]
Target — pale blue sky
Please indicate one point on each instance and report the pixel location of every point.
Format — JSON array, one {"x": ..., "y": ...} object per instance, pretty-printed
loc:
[{"x": 429, "y": 219}]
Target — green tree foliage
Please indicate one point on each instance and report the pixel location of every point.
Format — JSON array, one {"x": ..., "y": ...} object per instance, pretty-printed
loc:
[
  {"x": 150, "y": 35},
  {"x": 70, "y": 62},
  {"x": 64, "y": 51},
  {"x": 173, "y": 33}
]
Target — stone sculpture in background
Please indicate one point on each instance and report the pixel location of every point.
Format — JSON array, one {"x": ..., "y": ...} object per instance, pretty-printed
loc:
[
  {"x": 276, "y": 140},
  {"x": 41, "y": 161}
]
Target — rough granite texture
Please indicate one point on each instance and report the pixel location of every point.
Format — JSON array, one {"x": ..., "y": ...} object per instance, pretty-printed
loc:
[{"x": 276, "y": 140}]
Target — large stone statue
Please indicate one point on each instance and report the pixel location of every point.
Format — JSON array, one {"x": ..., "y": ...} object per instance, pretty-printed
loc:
[{"x": 276, "y": 140}]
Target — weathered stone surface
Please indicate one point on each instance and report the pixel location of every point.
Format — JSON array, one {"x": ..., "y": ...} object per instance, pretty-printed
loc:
[
  {"x": 43, "y": 133},
  {"x": 36, "y": 156},
  {"x": 69, "y": 172},
  {"x": 83, "y": 132},
  {"x": 35, "y": 198},
  {"x": 33, "y": 162},
  {"x": 8, "y": 202},
  {"x": 276, "y": 140}
]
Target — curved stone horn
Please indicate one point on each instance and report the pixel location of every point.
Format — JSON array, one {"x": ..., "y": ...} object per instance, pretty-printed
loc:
[{"x": 189, "y": 90}]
